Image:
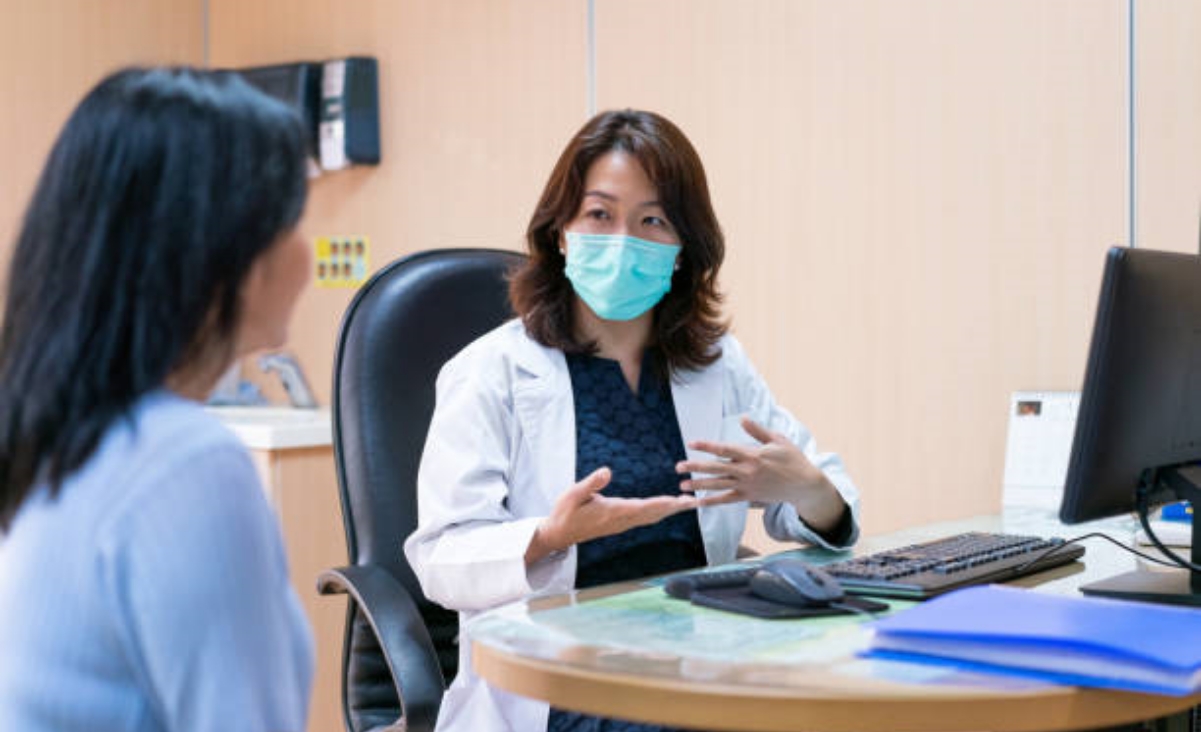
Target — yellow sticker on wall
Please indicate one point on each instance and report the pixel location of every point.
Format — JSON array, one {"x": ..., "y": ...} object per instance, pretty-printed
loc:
[{"x": 341, "y": 261}]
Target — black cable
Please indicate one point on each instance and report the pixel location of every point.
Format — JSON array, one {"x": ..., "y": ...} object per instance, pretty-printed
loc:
[
  {"x": 1143, "y": 507},
  {"x": 1092, "y": 535}
]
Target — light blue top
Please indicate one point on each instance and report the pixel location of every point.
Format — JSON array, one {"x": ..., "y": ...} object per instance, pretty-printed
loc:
[{"x": 153, "y": 593}]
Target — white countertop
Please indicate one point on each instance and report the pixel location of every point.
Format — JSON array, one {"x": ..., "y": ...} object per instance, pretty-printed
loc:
[{"x": 277, "y": 428}]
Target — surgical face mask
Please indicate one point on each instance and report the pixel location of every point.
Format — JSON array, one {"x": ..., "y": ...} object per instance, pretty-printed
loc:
[{"x": 620, "y": 277}]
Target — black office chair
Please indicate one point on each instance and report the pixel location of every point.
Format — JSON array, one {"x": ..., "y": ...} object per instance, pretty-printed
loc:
[{"x": 406, "y": 322}]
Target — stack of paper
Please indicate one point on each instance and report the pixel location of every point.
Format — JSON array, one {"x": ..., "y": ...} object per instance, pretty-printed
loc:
[
  {"x": 1074, "y": 640},
  {"x": 1169, "y": 533}
]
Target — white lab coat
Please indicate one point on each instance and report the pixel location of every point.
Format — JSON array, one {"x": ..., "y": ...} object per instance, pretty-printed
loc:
[{"x": 500, "y": 451}]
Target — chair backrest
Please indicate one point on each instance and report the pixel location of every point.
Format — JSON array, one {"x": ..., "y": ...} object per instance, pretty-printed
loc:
[{"x": 403, "y": 325}]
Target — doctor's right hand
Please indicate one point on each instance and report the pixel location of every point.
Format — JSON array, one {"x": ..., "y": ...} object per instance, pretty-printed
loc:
[{"x": 582, "y": 513}]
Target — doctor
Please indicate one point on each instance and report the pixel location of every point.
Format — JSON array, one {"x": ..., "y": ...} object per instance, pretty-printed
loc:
[{"x": 615, "y": 430}]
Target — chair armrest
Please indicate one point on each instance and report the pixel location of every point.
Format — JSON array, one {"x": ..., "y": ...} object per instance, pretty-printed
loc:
[{"x": 402, "y": 636}]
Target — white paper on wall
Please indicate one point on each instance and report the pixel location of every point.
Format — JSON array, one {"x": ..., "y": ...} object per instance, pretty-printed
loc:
[{"x": 1041, "y": 427}]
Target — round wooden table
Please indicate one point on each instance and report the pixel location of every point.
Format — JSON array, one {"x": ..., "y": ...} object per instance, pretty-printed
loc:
[{"x": 630, "y": 651}]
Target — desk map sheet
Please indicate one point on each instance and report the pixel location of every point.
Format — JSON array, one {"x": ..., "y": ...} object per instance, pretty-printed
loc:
[
  {"x": 649, "y": 625},
  {"x": 649, "y": 622}
]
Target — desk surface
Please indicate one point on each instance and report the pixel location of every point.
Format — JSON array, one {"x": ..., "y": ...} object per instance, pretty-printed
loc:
[
  {"x": 631, "y": 651},
  {"x": 277, "y": 428}
]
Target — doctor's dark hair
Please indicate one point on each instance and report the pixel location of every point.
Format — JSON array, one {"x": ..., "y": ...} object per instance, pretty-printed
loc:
[
  {"x": 162, "y": 189},
  {"x": 687, "y": 324}
]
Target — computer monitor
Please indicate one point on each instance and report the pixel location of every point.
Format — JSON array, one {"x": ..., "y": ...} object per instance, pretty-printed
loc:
[{"x": 1138, "y": 430}]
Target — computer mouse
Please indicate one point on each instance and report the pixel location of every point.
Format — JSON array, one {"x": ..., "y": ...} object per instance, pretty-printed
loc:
[{"x": 797, "y": 583}]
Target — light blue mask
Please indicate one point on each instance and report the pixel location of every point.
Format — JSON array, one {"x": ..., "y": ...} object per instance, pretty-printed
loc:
[{"x": 620, "y": 277}]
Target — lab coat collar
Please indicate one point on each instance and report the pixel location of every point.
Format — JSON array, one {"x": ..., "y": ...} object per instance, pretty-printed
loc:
[
  {"x": 545, "y": 407},
  {"x": 543, "y": 378}
]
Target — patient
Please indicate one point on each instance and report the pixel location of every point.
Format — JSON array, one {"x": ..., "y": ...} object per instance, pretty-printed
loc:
[{"x": 143, "y": 582}]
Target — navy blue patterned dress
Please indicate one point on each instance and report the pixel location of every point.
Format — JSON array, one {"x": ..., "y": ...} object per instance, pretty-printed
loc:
[{"x": 638, "y": 437}]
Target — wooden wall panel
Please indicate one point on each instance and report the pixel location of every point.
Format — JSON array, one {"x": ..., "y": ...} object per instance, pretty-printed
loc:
[
  {"x": 477, "y": 100},
  {"x": 52, "y": 52},
  {"x": 1168, "y": 124},
  {"x": 916, "y": 194},
  {"x": 916, "y": 198}
]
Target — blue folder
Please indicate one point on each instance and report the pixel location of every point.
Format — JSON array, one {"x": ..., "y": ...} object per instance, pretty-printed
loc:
[{"x": 1082, "y": 641}]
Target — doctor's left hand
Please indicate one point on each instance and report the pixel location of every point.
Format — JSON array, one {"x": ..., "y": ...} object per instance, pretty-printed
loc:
[{"x": 774, "y": 471}]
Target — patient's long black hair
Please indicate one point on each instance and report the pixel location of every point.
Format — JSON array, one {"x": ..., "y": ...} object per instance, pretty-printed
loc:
[{"x": 161, "y": 190}]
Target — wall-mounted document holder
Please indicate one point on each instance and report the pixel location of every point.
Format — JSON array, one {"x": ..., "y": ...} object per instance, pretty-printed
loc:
[
  {"x": 349, "y": 120},
  {"x": 338, "y": 100}
]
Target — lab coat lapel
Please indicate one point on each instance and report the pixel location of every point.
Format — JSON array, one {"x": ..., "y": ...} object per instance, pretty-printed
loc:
[
  {"x": 545, "y": 410},
  {"x": 698, "y": 400},
  {"x": 697, "y": 396}
]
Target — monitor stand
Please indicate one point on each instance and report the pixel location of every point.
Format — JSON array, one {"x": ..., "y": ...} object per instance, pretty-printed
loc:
[{"x": 1171, "y": 586}]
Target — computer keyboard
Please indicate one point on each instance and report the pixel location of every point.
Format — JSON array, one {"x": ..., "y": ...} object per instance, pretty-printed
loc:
[{"x": 924, "y": 570}]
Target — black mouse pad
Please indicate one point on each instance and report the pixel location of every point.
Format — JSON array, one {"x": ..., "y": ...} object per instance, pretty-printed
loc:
[{"x": 739, "y": 599}]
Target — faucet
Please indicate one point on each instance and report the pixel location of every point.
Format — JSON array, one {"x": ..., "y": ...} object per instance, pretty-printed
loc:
[{"x": 292, "y": 378}]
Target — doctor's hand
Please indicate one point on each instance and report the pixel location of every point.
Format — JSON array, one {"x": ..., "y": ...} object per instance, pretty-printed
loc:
[
  {"x": 774, "y": 471},
  {"x": 582, "y": 513}
]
